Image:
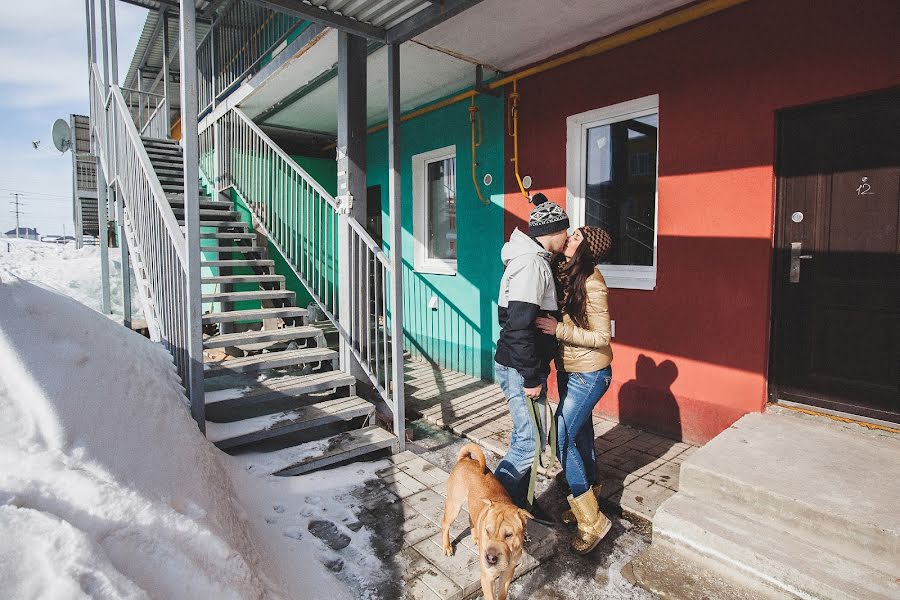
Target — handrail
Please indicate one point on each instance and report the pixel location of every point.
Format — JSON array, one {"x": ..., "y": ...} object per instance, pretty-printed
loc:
[
  {"x": 141, "y": 92},
  {"x": 323, "y": 246},
  {"x": 176, "y": 235},
  {"x": 156, "y": 243},
  {"x": 155, "y": 126}
]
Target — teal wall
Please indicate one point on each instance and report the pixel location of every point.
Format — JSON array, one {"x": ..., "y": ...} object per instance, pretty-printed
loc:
[{"x": 461, "y": 333}]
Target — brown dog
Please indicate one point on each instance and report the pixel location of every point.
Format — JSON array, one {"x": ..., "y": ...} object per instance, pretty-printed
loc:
[{"x": 497, "y": 525}]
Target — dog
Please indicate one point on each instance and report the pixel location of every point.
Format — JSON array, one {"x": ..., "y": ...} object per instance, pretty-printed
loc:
[{"x": 497, "y": 525}]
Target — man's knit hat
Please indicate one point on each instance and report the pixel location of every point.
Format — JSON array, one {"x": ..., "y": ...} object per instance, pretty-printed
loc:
[
  {"x": 546, "y": 217},
  {"x": 598, "y": 241}
]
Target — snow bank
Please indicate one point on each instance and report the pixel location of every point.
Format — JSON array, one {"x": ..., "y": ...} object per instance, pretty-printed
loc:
[
  {"x": 107, "y": 488},
  {"x": 74, "y": 272}
]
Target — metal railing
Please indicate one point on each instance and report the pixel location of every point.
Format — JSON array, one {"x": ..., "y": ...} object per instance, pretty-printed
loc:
[
  {"x": 156, "y": 242},
  {"x": 304, "y": 223},
  {"x": 239, "y": 41},
  {"x": 149, "y": 112}
]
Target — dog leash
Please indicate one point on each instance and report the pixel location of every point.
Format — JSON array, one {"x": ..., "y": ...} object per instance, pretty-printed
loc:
[{"x": 533, "y": 412}]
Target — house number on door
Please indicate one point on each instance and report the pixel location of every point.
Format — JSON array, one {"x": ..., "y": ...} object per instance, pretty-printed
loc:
[{"x": 864, "y": 188}]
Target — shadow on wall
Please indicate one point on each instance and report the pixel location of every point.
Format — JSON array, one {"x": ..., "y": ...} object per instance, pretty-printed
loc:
[
  {"x": 445, "y": 335},
  {"x": 648, "y": 398}
]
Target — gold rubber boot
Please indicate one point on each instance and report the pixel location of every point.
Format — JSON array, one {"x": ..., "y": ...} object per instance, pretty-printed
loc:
[
  {"x": 569, "y": 516},
  {"x": 592, "y": 524}
]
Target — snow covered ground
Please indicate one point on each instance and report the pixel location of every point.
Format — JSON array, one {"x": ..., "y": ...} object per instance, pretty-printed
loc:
[
  {"x": 107, "y": 488},
  {"x": 74, "y": 272}
]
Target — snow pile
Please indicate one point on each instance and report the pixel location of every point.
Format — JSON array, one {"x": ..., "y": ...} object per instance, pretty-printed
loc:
[
  {"x": 107, "y": 488},
  {"x": 74, "y": 272}
]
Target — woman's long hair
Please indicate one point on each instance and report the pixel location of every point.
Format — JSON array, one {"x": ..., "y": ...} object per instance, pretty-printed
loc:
[{"x": 571, "y": 275}]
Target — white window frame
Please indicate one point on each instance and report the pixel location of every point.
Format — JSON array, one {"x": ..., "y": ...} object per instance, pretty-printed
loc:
[
  {"x": 424, "y": 264},
  {"x": 633, "y": 277}
]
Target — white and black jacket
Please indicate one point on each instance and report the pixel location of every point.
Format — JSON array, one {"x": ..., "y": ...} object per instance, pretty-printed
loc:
[{"x": 527, "y": 291}]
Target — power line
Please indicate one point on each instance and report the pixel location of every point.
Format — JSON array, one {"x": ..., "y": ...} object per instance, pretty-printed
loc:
[
  {"x": 17, "y": 211},
  {"x": 28, "y": 193}
]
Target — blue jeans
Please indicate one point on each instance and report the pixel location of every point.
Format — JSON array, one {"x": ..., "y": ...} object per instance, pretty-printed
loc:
[
  {"x": 579, "y": 393},
  {"x": 514, "y": 470}
]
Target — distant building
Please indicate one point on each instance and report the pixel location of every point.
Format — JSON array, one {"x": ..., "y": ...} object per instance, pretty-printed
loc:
[{"x": 25, "y": 233}]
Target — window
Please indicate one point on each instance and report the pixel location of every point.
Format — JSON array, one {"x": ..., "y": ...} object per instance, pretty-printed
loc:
[
  {"x": 611, "y": 182},
  {"x": 434, "y": 211}
]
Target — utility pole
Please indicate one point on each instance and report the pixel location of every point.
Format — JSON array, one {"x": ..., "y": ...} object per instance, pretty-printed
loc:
[{"x": 16, "y": 202}]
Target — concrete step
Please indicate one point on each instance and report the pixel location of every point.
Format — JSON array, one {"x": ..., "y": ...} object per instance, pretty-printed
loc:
[
  {"x": 234, "y": 249},
  {"x": 758, "y": 548},
  {"x": 245, "y": 338},
  {"x": 248, "y": 431},
  {"x": 340, "y": 448},
  {"x": 279, "y": 388},
  {"x": 226, "y": 235},
  {"x": 248, "y": 262},
  {"x": 269, "y": 360},
  {"x": 812, "y": 495},
  {"x": 795, "y": 504},
  {"x": 232, "y": 279},
  {"x": 251, "y": 295},
  {"x": 259, "y": 314}
]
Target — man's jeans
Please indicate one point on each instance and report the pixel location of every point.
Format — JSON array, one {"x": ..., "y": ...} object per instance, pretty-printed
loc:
[
  {"x": 579, "y": 393},
  {"x": 514, "y": 470}
]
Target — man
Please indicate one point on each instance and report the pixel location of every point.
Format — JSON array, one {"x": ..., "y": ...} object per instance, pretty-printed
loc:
[{"x": 523, "y": 356}]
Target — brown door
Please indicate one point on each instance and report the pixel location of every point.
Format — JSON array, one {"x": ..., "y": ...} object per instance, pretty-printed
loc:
[{"x": 837, "y": 262}]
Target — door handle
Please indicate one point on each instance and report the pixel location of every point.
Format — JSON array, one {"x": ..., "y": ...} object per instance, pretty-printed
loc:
[{"x": 796, "y": 257}]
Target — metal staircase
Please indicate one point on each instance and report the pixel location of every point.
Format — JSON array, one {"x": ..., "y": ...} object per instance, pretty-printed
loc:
[{"x": 271, "y": 382}]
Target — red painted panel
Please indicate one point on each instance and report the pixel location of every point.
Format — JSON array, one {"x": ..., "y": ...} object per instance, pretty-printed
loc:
[{"x": 691, "y": 356}]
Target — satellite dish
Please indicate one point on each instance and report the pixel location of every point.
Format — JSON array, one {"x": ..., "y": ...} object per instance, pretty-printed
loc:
[{"x": 62, "y": 135}]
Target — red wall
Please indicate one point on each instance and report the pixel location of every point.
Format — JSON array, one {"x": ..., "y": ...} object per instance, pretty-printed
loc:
[{"x": 691, "y": 356}]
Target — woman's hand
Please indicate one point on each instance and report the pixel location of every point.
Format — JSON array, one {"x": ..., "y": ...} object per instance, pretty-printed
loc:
[{"x": 546, "y": 325}]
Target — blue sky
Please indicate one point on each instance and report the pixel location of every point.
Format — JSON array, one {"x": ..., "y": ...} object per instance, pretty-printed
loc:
[{"x": 43, "y": 77}]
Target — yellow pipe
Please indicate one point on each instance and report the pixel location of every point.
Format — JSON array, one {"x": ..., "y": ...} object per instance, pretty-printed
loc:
[
  {"x": 473, "y": 116},
  {"x": 664, "y": 23},
  {"x": 514, "y": 126}
]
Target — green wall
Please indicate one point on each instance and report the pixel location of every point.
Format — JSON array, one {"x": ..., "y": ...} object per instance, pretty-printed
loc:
[{"x": 460, "y": 334}]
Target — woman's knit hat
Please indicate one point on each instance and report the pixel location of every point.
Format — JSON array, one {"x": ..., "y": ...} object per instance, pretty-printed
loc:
[
  {"x": 546, "y": 217},
  {"x": 598, "y": 241}
]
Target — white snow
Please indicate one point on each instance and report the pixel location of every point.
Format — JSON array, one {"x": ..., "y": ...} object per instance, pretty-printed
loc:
[
  {"x": 74, "y": 272},
  {"x": 107, "y": 488}
]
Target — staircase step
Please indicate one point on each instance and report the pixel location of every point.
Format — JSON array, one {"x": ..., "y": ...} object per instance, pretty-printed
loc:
[
  {"x": 250, "y": 262},
  {"x": 259, "y": 314},
  {"x": 243, "y": 338},
  {"x": 226, "y": 279},
  {"x": 177, "y": 200},
  {"x": 251, "y": 295},
  {"x": 279, "y": 388},
  {"x": 339, "y": 448},
  {"x": 269, "y": 360},
  {"x": 248, "y": 431},
  {"x": 214, "y": 223},
  {"x": 210, "y": 213},
  {"x": 234, "y": 249},
  {"x": 226, "y": 235}
]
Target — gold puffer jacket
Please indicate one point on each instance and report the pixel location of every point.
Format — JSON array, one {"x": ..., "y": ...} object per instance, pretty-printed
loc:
[{"x": 586, "y": 350}]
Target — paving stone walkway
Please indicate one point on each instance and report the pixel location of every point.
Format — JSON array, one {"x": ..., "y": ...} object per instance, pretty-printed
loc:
[
  {"x": 404, "y": 508},
  {"x": 639, "y": 470}
]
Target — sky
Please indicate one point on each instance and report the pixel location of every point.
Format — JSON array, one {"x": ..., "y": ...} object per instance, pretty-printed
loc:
[{"x": 44, "y": 77}]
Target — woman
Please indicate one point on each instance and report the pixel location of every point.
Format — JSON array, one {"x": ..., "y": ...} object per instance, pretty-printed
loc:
[{"x": 583, "y": 373}]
